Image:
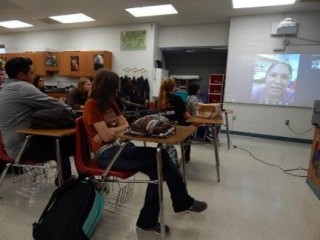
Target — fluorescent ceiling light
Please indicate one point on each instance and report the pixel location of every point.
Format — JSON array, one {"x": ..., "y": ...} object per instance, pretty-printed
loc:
[
  {"x": 260, "y": 3},
  {"x": 72, "y": 18},
  {"x": 152, "y": 10},
  {"x": 15, "y": 24}
]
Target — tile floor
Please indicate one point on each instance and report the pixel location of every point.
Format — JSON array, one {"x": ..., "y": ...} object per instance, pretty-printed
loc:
[{"x": 252, "y": 202}]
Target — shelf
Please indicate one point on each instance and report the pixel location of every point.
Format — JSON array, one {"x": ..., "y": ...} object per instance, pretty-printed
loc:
[{"x": 216, "y": 88}]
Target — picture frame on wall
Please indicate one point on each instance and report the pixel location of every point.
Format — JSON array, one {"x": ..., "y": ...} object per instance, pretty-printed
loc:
[
  {"x": 98, "y": 62},
  {"x": 74, "y": 63},
  {"x": 51, "y": 61}
]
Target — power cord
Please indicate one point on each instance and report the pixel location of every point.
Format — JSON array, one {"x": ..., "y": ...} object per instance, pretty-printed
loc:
[
  {"x": 286, "y": 171},
  {"x": 297, "y": 132}
]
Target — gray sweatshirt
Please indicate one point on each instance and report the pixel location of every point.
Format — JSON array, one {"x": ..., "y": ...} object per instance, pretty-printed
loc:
[
  {"x": 18, "y": 100},
  {"x": 192, "y": 101}
]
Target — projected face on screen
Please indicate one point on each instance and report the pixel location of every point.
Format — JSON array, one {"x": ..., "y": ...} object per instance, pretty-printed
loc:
[
  {"x": 277, "y": 79},
  {"x": 273, "y": 80}
]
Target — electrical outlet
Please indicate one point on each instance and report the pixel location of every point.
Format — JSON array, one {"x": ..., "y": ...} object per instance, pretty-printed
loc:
[
  {"x": 287, "y": 122},
  {"x": 234, "y": 117}
]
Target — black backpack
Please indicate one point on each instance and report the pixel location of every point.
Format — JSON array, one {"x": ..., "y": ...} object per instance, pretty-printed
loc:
[{"x": 71, "y": 213}]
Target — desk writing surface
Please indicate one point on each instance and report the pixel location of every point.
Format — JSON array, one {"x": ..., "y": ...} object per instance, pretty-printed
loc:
[
  {"x": 48, "y": 132},
  {"x": 212, "y": 121},
  {"x": 182, "y": 132}
]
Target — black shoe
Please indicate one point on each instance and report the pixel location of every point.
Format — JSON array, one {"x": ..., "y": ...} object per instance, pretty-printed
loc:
[
  {"x": 197, "y": 207},
  {"x": 157, "y": 229}
]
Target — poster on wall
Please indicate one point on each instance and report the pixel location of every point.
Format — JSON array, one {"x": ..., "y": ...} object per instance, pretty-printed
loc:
[
  {"x": 133, "y": 40},
  {"x": 74, "y": 62},
  {"x": 98, "y": 62}
]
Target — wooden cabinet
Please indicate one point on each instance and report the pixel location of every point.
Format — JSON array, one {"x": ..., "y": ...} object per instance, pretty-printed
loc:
[
  {"x": 216, "y": 88},
  {"x": 69, "y": 64},
  {"x": 36, "y": 57},
  {"x": 83, "y": 64}
]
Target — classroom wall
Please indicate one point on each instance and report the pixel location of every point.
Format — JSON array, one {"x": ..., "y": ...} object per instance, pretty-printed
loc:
[
  {"x": 216, "y": 34},
  {"x": 251, "y": 34}
]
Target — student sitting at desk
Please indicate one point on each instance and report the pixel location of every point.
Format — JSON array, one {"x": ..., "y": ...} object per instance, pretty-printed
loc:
[
  {"x": 203, "y": 132},
  {"x": 173, "y": 107},
  {"x": 77, "y": 97},
  {"x": 18, "y": 100},
  {"x": 101, "y": 116},
  {"x": 38, "y": 82}
]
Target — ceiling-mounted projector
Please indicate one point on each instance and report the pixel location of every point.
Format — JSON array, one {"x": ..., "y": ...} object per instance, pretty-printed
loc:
[
  {"x": 287, "y": 22},
  {"x": 286, "y": 27}
]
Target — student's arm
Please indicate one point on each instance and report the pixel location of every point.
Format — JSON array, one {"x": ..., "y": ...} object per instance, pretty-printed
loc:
[
  {"x": 110, "y": 134},
  {"x": 38, "y": 100}
]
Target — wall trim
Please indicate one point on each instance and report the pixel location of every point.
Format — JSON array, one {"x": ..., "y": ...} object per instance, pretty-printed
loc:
[{"x": 298, "y": 140}]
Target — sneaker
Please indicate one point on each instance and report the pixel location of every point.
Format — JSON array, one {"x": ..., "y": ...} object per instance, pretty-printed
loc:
[
  {"x": 157, "y": 229},
  {"x": 197, "y": 206}
]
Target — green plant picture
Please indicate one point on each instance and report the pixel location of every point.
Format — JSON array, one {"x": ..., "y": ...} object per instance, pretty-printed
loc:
[{"x": 133, "y": 40}]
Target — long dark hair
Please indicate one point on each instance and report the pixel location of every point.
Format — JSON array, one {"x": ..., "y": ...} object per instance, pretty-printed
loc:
[
  {"x": 36, "y": 82},
  {"x": 193, "y": 88},
  {"x": 104, "y": 88}
]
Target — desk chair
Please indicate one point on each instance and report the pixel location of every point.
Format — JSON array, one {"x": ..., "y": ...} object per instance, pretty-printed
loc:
[
  {"x": 32, "y": 167},
  {"x": 88, "y": 166}
]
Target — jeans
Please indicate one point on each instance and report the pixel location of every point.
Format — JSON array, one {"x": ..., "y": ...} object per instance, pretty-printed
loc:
[
  {"x": 43, "y": 149},
  {"x": 143, "y": 159}
]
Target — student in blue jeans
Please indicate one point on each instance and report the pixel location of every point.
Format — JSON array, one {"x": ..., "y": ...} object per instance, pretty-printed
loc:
[{"x": 103, "y": 118}]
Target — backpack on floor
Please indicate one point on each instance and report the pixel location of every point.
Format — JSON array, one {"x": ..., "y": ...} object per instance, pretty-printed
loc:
[{"x": 71, "y": 213}]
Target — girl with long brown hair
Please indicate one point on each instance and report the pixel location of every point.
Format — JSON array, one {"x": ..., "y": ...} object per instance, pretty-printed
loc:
[{"x": 103, "y": 118}]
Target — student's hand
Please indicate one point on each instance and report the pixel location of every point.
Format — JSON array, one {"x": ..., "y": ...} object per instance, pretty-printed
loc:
[{"x": 97, "y": 139}]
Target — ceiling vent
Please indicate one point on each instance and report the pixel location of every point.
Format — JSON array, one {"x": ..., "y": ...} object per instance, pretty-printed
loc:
[{"x": 47, "y": 20}]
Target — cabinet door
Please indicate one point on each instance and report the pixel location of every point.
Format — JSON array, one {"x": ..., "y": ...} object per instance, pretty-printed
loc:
[
  {"x": 36, "y": 57},
  {"x": 99, "y": 59},
  {"x": 38, "y": 63},
  {"x": 107, "y": 60},
  {"x": 70, "y": 64}
]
